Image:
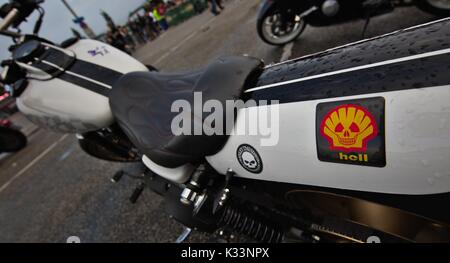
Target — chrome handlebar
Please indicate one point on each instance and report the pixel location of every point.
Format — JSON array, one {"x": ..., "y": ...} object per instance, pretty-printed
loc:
[{"x": 9, "y": 19}]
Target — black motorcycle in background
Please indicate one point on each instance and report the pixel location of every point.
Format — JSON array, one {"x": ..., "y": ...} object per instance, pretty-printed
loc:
[
  {"x": 283, "y": 21},
  {"x": 11, "y": 139}
]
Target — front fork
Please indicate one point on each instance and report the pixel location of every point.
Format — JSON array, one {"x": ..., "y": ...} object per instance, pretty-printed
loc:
[{"x": 289, "y": 13}]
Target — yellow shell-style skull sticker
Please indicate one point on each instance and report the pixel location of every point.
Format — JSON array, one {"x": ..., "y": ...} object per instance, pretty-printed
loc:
[{"x": 349, "y": 128}]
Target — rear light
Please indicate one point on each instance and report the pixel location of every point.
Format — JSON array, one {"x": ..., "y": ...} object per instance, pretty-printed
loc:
[
  {"x": 4, "y": 96},
  {"x": 5, "y": 123}
]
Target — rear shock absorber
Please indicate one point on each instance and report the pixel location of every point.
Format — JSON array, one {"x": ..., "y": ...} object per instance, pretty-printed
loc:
[{"x": 240, "y": 222}]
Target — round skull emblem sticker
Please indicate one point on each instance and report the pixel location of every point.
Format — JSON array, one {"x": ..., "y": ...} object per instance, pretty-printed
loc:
[{"x": 249, "y": 159}]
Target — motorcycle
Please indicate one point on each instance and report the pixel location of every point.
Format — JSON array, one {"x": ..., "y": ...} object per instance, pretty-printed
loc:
[
  {"x": 66, "y": 89},
  {"x": 11, "y": 139},
  {"x": 281, "y": 21},
  {"x": 361, "y": 153}
]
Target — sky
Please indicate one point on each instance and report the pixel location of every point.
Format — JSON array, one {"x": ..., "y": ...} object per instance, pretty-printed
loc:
[{"x": 58, "y": 20}]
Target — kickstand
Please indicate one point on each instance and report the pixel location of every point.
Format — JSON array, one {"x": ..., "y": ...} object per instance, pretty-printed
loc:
[
  {"x": 184, "y": 235},
  {"x": 373, "y": 8},
  {"x": 366, "y": 25}
]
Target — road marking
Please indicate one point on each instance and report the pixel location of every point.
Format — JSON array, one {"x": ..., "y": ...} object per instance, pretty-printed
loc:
[
  {"x": 373, "y": 65},
  {"x": 31, "y": 164},
  {"x": 182, "y": 42},
  {"x": 30, "y": 130},
  {"x": 162, "y": 58},
  {"x": 175, "y": 48},
  {"x": 287, "y": 52}
]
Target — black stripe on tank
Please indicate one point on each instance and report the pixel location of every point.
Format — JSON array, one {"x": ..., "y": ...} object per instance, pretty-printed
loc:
[
  {"x": 95, "y": 72},
  {"x": 86, "y": 69},
  {"x": 89, "y": 85},
  {"x": 414, "y": 74},
  {"x": 84, "y": 83}
]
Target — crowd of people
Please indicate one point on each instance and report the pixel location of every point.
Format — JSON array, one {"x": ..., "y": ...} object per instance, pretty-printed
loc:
[
  {"x": 148, "y": 25},
  {"x": 140, "y": 29}
]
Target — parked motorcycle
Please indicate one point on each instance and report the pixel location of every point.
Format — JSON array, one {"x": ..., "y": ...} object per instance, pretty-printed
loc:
[
  {"x": 65, "y": 87},
  {"x": 11, "y": 139},
  {"x": 283, "y": 21},
  {"x": 363, "y": 146}
]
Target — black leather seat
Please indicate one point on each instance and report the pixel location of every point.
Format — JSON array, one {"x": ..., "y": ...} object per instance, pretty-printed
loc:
[{"x": 141, "y": 103}]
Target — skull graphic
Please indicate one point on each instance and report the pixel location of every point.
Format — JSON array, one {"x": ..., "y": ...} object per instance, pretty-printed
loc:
[
  {"x": 349, "y": 128},
  {"x": 249, "y": 160}
]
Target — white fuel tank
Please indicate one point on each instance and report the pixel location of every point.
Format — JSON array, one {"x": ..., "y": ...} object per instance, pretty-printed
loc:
[
  {"x": 68, "y": 88},
  {"x": 415, "y": 161},
  {"x": 371, "y": 116}
]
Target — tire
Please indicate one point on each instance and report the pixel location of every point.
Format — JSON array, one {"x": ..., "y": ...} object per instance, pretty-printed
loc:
[
  {"x": 103, "y": 149},
  {"x": 434, "y": 7},
  {"x": 11, "y": 140},
  {"x": 264, "y": 34},
  {"x": 101, "y": 152}
]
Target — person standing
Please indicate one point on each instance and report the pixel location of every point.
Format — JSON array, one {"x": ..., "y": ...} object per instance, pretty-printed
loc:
[
  {"x": 125, "y": 33},
  {"x": 214, "y": 5},
  {"x": 153, "y": 25},
  {"x": 142, "y": 22},
  {"x": 219, "y": 4},
  {"x": 137, "y": 33},
  {"x": 198, "y": 6},
  {"x": 160, "y": 19},
  {"x": 115, "y": 39}
]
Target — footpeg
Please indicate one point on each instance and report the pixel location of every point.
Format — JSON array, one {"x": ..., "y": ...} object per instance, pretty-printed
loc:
[
  {"x": 118, "y": 176},
  {"x": 195, "y": 187},
  {"x": 137, "y": 193},
  {"x": 184, "y": 235},
  {"x": 188, "y": 196}
]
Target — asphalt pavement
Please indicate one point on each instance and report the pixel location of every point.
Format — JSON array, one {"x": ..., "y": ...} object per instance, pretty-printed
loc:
[{"x": 52, "y": 190}]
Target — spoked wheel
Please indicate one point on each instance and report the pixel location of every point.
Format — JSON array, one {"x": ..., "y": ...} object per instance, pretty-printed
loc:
[
  {"x": 436, "y": 7},
  {"x": 275, "y": 31},
  {"x": 11, "y": 140}
]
